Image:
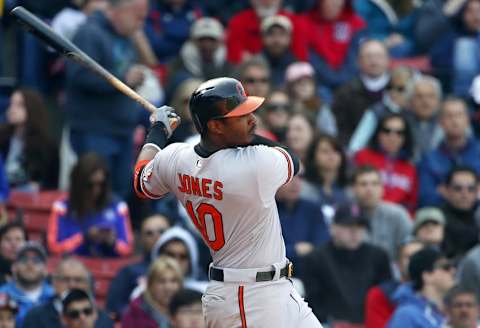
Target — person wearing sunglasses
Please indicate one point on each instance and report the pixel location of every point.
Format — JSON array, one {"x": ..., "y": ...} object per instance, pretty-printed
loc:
[
  {"x": 394, "y": 101},
  {"x": 91, "y": 221},
  {"x": 420, "y": 302},
  {"x": 29, "y": 286},
  {"x": 255, "y": 76},
  {"x": 78, "y": 309},
  {"x": 69, "y": 274},
  {"x": 460, "y": 208},
  {"x": 390, "y": 151}
]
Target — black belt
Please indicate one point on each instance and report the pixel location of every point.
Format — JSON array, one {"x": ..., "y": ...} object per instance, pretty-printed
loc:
[{"x": 287, "y": 271}]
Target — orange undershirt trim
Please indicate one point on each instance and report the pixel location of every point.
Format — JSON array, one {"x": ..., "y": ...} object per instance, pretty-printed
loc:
[
  {"x": 138, "y": 170},
  {"x": 242, "y": 306},
  {"x": 287, "y": 157}
]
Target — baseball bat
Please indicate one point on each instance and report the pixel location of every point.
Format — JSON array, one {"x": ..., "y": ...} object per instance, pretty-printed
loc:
[{"x": 37, "y": 27}]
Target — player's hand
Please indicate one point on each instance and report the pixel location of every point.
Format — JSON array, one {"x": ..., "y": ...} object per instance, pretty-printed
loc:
[{"x": 167, "y": 116}]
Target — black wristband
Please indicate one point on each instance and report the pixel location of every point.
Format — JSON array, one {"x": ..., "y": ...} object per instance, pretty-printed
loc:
[{"x": 157, "y": 135}]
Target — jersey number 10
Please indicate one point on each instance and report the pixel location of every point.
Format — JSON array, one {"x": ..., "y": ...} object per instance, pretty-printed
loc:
[{"x": 199, "y": 216}]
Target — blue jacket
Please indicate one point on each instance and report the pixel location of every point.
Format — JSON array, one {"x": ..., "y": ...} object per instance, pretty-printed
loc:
[
  {"x": 435, "y": 165},
  {"x": 4, "y": 189},
  {"x": 24, "y": 303},
  {"x": 92, "y": 104},
  {"x": 167, "y": 29},
  {"x": 123, "y": 284},
  {"x": 303, "y": 222},
  {"x": 66, "y": 234},
  {"x": 414, "y": 311}
]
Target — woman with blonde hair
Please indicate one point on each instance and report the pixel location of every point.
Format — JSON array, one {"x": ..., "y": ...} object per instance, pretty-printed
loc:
[{"x": 164, "y": 279}]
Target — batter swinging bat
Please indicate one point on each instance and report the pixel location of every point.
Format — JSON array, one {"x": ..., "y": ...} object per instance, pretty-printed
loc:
[{"x": 41, "y": 30}]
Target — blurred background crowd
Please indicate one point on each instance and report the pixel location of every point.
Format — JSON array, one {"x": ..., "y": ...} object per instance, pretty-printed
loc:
[{"x": 379, "y": 98}]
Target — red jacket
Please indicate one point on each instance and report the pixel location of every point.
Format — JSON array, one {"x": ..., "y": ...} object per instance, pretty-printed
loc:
[
  {"x": 399, "y": 177},
  {"x": 378, "y": 308},
  {"x": 331, "y": 39},
  {"x": 137, "y": 316},
  {"x": 244, "y": 36}
]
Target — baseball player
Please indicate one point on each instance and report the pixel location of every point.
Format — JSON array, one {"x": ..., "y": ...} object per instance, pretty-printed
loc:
[{"x": 227, "y": 184}]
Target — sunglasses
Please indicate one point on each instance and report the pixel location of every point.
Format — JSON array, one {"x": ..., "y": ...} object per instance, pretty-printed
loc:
[
  {"x": 153, "y": 232},
  {"x": 254, "y": 80},
  {"x": 75, "y": 314},
  {"x": 33, "y": 259},
  {"x": 458, "y": 188},
  {"x": 275, "y": 107},
  {"x": 399, "y": 132},
  {"x": 75, "y": 280},
  {"x": 445, "y": 266}
]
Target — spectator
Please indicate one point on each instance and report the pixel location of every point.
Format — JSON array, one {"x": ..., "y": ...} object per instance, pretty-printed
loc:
[
  {"x": 457, "y": 148},
  {"x": 255, "y": 77},
  {"x": 244, "y": 35},
  {"x": 180, "y": 101},
  {"x": 186, "y": 309},
  {"x": 91, "y": 222},
  {"x": 355, "y": 96},
  {"x": 128, "y": 277},
  {"x": 179, "y": 244},
  {"x": 78, "y": 309},
  {"x": 12, "y": 237},
  {"x": 276, "y": 41},
  {"x": 204, "y": 56},
  {"x": 300, "y": 133},
  {"x": 433, "y": 22},
  {"x": 379, "y": 303},
  {"x": 301, "y": 86},
  {"x": 303, "y": 225},
  {"x": 390, "y": 152},
  {"x": 29, "y": 286},
  {"x": 391, "y": 22},
  {"x": 31, "y": 161},
  {"x": 339, "y": 273},
  {"x": 150, "y": 310},
  {"x": 8, "y": 310},
  {"x": 453, "y": 57},
  {"x": 326, "y": 171},
  {"x": 461, "y": 212},
  {"x": 67, "y": 21},
  {"x": 334, "y": 34},
  {"x": 429, "y": 227},
  {"x": 276, "y": 113},
  {"x": 389, "y": 223},
  {"x": 432, "y": 276},
  {"x": 469, "y": 274},
  {"x": 70, "y": 274},
  {"x": 394, "y": 101},
  {"x": 423, "y": 114},
  {"x": 462, "y": 308},
  {"x": 101, "y": 119},
  {"x": 168, "y": 26}
]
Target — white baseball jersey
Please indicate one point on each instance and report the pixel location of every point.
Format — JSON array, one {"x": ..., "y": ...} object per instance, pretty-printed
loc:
[{"x": 230, "y": 197}]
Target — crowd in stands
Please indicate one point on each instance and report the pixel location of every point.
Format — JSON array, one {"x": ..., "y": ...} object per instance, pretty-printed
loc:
[{"x": 380, "y": 99}]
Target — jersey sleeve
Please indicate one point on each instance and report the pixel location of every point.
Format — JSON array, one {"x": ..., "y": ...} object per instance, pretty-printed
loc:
[
  {"x": 156, "y": 175},
  {"x": 274, "y": 168}
]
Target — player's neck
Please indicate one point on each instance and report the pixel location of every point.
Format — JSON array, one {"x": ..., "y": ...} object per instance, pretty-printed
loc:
[{"x": 210, "y": 145}]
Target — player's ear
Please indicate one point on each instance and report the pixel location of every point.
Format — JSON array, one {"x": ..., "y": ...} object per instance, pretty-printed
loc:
[{"x": 215, "y": 126}]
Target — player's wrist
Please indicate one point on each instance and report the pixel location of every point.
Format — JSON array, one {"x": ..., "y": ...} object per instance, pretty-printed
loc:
[{"x": 157, "y": 135}]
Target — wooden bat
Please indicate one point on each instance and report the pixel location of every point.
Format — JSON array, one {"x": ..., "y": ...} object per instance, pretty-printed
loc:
[{"x": 37, "y": 27}]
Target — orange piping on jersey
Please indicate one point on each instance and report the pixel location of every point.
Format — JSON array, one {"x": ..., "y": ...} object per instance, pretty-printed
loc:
[
  {"x": 287, "y": 157},
  {"x": 67, "y": 245},
  {"x": 242, "y": 307},
  {"x": 138, "y": 170}
]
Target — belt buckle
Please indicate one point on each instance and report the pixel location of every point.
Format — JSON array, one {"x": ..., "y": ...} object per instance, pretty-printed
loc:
[{"x": 289, "y": 270}]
